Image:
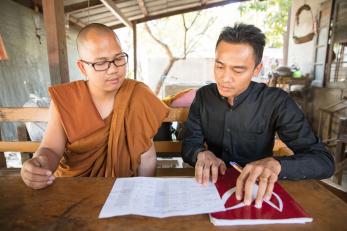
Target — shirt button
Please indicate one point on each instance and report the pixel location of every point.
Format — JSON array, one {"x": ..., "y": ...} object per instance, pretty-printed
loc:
[
  {"x": 228, "y": 129},
  {"x": 226, "y": 149}
]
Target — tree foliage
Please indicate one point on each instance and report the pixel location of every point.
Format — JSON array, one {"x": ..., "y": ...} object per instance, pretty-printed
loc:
[{"x": 276, "y": 18}]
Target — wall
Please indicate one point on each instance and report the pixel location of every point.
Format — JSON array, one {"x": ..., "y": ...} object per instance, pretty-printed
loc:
[
  {"x": 26, "y": 72},
  {"x": 189, "y": 71},
  {"x": 302, "y": 55}
]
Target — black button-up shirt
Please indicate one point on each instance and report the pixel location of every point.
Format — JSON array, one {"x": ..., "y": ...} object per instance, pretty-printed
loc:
[{"x": 245, "y": 131}]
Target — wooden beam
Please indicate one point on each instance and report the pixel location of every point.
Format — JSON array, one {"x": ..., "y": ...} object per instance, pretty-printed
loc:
[
  {"x": 116, "y": 12},
  {"x": 22, "y": 135},
  {"x": 34, "y": 114},
  {"x": 116, "y": 26},
  {"x": 143, "y": 7},
  {"x": 135, "y": 49},
  {"x": 31, "y": 146},
  {"x": 16, "y": 146},
  {"x": 75, "y": 21},
  {"x": 2, "y": 156},
  {"x": 54, "y": 19},
  {"x": 342, "y": 134},
  {"x": 203, "y": 2},
  {"x": 81, "y": 6},
  {"x": 23, "y": 114}
]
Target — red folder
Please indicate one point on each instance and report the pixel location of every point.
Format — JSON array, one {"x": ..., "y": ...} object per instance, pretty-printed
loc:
[{"x": 281, "y": 208}]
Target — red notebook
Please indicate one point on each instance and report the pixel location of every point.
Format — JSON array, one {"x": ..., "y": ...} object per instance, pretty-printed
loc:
[{"x": 281, "y": 208}]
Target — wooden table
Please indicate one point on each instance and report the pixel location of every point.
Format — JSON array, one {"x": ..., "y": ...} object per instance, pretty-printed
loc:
[
  {"x": 75, "y": 203},
  {"x": 286, "y": 82}
]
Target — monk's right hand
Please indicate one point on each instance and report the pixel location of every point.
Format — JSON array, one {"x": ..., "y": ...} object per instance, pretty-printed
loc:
[
  {"x": 36, "y": 174},
  {"x": 207, "y": 167}
]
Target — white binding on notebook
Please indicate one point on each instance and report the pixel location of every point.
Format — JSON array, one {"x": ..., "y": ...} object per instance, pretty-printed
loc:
[{"x": 231, "y": 191}]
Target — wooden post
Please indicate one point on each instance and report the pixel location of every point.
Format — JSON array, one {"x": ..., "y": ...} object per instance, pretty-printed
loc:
[
  {"x": 341, "y": 149},
  {"x": 54, "y": 18},
  {"x": 330, "y": 121},
  {"x": 135, "y": 48},
  {"x": 342, "y": 129},
  {"x": 23, "y": 135},
  {"x": 2, "y": 157}
]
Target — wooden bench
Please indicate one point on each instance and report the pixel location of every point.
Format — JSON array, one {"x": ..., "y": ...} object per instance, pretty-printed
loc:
[{"x": 41, "y": 115}]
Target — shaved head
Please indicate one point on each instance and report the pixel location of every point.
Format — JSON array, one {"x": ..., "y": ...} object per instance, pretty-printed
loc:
[
  {"x": 89, "y": 32},
  {"x": 99, "y": 47}
]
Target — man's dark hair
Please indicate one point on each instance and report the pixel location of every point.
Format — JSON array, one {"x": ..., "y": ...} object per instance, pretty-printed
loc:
[{"x": 243, "y": 33}]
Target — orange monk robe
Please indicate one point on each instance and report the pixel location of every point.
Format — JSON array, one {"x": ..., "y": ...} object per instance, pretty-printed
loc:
[{"x": 111, "y": 147}]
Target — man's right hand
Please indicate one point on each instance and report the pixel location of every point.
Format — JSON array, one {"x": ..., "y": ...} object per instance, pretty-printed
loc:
[
  {"x": 207, "y": 167},
  {"x": 36, "y": 173}
]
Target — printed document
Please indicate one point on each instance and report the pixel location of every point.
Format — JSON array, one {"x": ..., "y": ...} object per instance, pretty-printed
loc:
[{"x": 161, "y": 197}]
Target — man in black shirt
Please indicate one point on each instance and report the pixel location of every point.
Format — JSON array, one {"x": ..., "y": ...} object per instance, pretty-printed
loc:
[{"x": 237, "y": 120}]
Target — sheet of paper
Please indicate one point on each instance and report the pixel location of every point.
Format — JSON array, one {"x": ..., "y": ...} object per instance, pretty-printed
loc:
[{"x": 161, "y": 197}]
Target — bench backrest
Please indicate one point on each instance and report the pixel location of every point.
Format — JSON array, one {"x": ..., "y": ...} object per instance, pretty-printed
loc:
[{"x": 41, "y": 115}]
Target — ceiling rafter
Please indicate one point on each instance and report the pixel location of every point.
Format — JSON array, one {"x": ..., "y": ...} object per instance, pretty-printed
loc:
[
  {"x": 74, "y": 20},
  {"x": 116, "y": 12},
  {"x": 143, "y": 7},
  {"x": 204, "y": 2},
  {"x": 81, "y": 6}
]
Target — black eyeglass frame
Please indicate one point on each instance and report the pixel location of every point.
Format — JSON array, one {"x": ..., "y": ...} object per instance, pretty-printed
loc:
[{"x": 109, "y": 62}]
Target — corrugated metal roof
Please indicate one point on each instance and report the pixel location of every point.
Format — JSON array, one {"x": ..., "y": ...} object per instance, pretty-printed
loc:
[{"x": 82, "y": 12}]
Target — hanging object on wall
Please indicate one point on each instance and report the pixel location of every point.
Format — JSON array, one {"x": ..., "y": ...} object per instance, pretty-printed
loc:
[
  {"x": 3, "y": 53},
  {"x": 308, "y": 37},
  {"x": 37, "y": 23}
]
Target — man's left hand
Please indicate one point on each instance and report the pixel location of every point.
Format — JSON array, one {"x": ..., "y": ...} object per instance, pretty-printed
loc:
[{"x": 266, "y": 171}]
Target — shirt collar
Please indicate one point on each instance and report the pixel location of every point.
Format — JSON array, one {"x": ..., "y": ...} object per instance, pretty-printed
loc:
[{"x": 240, "y": 98}]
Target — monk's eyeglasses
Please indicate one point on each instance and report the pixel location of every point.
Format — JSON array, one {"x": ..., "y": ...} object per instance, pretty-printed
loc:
[{"x": 119, "y": 61}]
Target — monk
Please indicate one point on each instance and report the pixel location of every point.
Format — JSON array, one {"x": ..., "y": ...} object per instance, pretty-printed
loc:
[{"x": 101, "y": 126}]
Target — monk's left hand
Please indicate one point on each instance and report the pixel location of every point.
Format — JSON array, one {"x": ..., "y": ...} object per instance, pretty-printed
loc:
[{"x": 266, "y": 171}]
